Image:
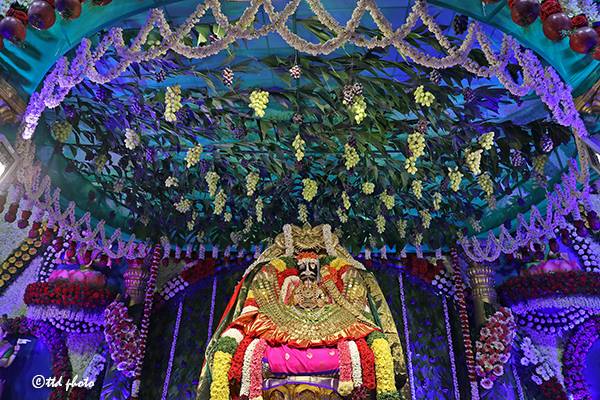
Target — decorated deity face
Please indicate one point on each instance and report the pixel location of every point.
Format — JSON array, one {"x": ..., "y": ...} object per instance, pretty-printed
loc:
[{"x": 308, "y": 267}]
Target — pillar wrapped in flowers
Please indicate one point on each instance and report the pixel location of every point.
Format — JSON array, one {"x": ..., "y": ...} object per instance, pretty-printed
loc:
[{"x": 135, "y": 277}]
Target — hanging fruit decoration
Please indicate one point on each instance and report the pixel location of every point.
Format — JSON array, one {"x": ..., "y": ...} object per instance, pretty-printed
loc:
[
  {"x": 584, "y": 38},
  {"x": 556, "y": 23},
  {"x": 68, "y": 9},
  {"x": 13, "y": 26},
  {"x": 41, "y": 15},
  {"x": 524, "y": 12}
]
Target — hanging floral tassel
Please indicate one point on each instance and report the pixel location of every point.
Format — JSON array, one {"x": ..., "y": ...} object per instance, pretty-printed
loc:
[
  {"x": 145, "y": 323},
  {"x": 172, "y": 352},
  {"x": 411, "y": 377},
  {"x": 464, "y": 323},
  {"x": 384, "y": 367},
  {"x": 455, "y": 386}
]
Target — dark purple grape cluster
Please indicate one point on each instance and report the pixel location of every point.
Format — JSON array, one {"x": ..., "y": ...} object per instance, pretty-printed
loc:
[{"x": 460, "y": 23}]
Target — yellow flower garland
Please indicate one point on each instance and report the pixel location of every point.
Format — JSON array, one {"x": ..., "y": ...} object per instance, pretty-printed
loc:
[
  {"x": 219, "y": 388},
  {"x": 384, "y": 366}
]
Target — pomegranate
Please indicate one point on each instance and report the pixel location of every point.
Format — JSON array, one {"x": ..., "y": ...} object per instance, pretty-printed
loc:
[
  {"x": 41, "y": 15},
  {"x": 13, "y": 29},
  {"x": 583, "y": 39},
  {"x": 556, "y": 26},
  {"x": 524, "y": 12},
  {"x": 68, "y": 9}
]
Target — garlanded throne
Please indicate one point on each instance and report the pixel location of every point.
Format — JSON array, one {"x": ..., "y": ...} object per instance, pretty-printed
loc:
[{"x": 306, "y": 321}]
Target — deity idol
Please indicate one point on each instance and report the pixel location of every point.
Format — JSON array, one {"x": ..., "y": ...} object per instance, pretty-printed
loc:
[{"x": 306, "y": 321}]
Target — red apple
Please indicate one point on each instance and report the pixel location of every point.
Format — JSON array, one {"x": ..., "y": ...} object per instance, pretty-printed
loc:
[{"x": 41, "y": 15}]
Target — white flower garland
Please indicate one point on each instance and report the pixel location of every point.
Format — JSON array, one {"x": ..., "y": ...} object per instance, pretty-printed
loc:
[
  {"x": 328, "y": 240},
  {"x": 233, "y": 333},
  {"x": 356, "y": 368},
  {"x": 411, "y": 378},
  {"x": 451, "y": 355},
  {"x": 246, "y": 372}
]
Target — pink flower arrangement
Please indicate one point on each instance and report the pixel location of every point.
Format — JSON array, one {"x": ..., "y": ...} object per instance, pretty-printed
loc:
[{"x": 494, "y": 346}]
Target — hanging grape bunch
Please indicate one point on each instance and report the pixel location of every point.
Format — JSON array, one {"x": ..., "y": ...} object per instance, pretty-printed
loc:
[
  {"x": 220, "y": 200},
  {"x": 353, "y": 98},
  {"x": 227, "y": 76},
  {"x": 546, "y": 143},
  {"x": 298, "y": 145},
  {"x": 258, "y": 102},
  {"x": 310, "y": 189},
  {"x": 160, "y": 75},
  {"x": 351, "y": 157},
  {"x": 455, "y": 178},
  {"x": 516, "y": 158},
  {"x": 423, "y": 97},
  {"x": 212, "y": 179},
  {"x": 417, "y": 188},
  {"x": 460, "y": 23},
  {"x": 172, "y": 102},
  {"x": 297, "y": 118},
  {"x": 468, "y": 95},
  {"x": 193, "y": 156},
  {"x": 61, "y": 131},
  {"x": 295, "y": 72},
  {"x": 303, "y": 213},
  {"x": 435, "y": 77},
  {"x": 473, "y": 160},
  {"x": 251, "y": 181},
  {"x": 380, "y": 224}
]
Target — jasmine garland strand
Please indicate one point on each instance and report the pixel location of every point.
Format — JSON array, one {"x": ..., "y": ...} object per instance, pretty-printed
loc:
[
  {"x": 464, "y": 323},
  {"x": 212, "y": 309},
  {"x": 543, "y": 80},
  {"x": 450, "y": 349},
  {"x": 411, "y": 377},
  {"x": 517, "y": 381},
  {"x": 172, "y": 352}
]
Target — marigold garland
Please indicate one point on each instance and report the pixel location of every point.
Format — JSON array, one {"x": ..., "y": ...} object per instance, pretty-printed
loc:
[
  {"x": 384, "y": 368},
  {"x": 219, "y": 387}
]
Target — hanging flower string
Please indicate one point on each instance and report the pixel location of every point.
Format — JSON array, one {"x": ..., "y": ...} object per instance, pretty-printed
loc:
[
  {"x": 464, "y": 323},
  {"x": 409, "y": 366},
  {"x": 145, "y": 323},
  {"x": 211, "y": 317},
  {"x": 172, "y": 352},
  {"x": 451, "y": 355}
]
